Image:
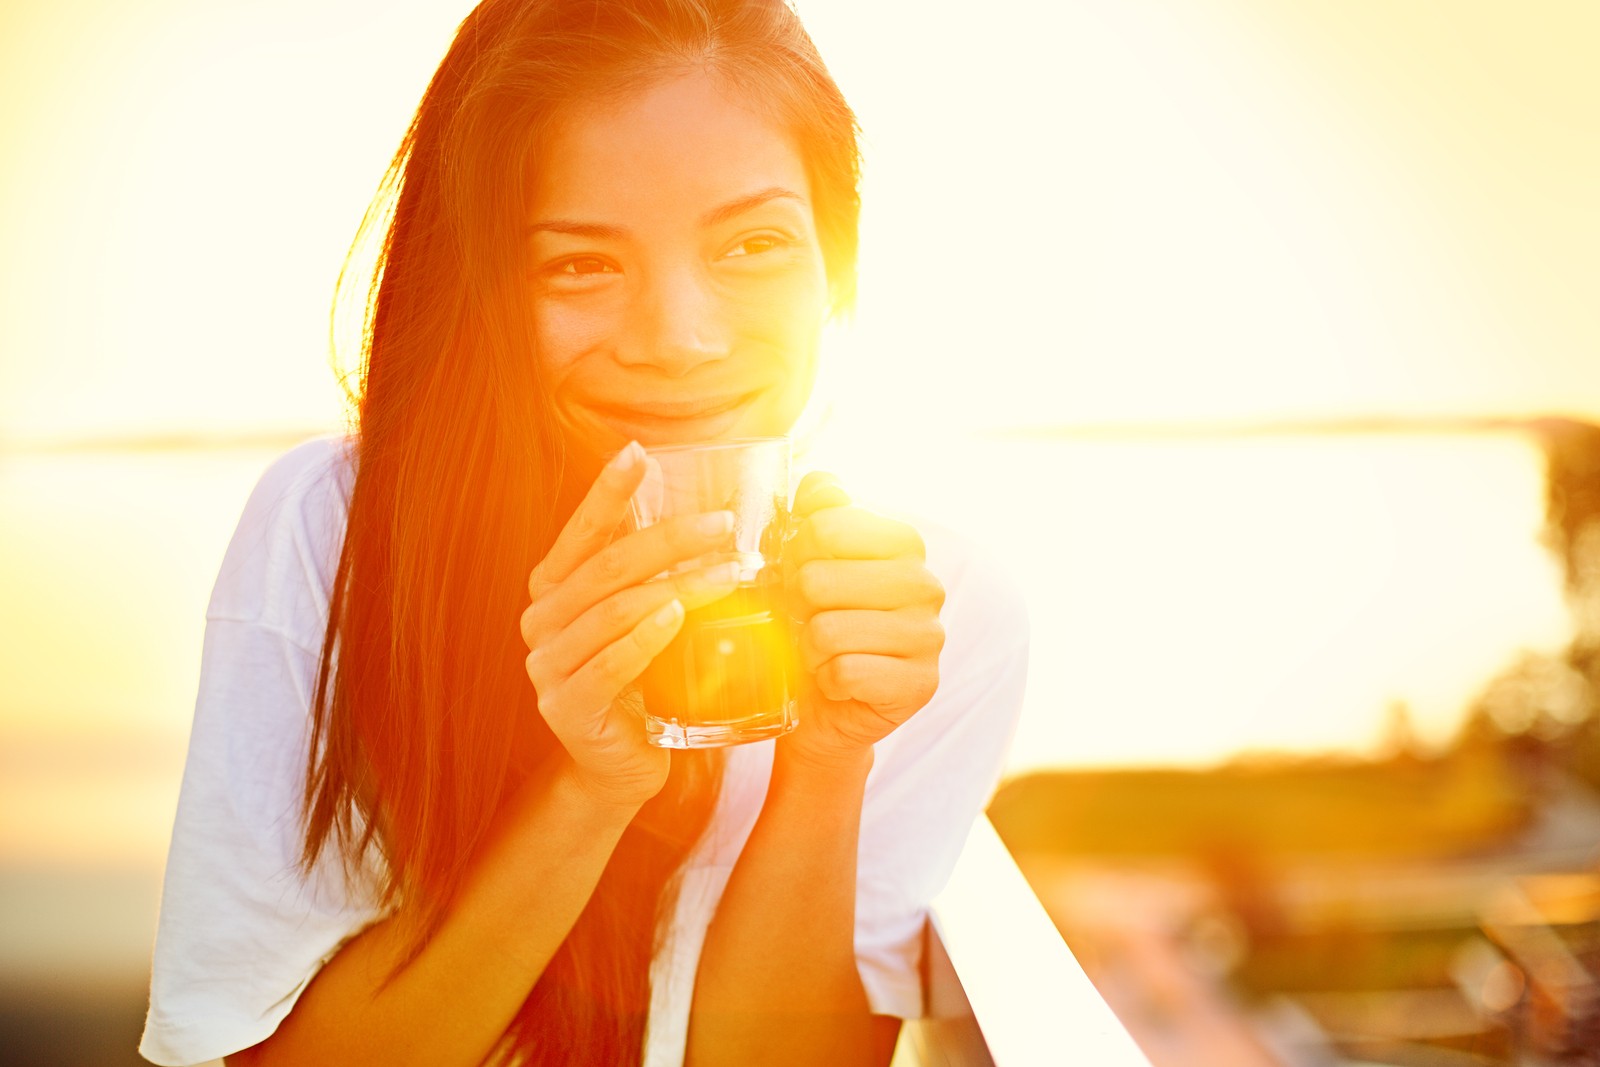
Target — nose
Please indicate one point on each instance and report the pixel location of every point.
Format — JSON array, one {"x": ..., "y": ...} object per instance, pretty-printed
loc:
[{"x": 677, "y": 323}]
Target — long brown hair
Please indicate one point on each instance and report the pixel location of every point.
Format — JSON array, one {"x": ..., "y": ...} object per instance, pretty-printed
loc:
[{"x": 463, "y": 481}]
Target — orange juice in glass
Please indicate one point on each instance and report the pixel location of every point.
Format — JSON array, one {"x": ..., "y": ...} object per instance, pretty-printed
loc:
[{"x": 730, "y": 675}]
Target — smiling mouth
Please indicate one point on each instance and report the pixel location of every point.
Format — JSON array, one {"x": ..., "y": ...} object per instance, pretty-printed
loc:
[{"x": 668, "y": 412}]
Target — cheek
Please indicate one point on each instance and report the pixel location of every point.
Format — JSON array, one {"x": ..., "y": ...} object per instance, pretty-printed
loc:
[
  {"x": 560, "y": 334},
  {"x": 784, "y": 325},
  {"x": 567, "y": 335}
]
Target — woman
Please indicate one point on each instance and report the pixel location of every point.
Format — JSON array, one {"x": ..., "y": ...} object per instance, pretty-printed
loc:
[{"x": 420, "y": 822}]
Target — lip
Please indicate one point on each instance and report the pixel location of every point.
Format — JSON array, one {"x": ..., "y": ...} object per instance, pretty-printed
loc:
[
  {"x": 668, "y": 421},
  {"x": 692, "y": 408}
]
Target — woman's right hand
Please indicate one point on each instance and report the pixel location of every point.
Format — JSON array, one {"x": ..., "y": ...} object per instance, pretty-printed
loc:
[{"x": 596, "y": 620}]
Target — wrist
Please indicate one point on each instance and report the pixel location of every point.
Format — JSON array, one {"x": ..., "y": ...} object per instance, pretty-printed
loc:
[
  {"x": 575, "y": 791},
  {"x": 794, "y": 757}
]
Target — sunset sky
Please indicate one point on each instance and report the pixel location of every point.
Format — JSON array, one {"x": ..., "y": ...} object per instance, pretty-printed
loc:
[{"x": 1086, "y": 212}]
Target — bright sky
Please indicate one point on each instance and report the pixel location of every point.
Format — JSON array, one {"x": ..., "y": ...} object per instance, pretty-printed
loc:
[{"x": 1084, "y": 212}]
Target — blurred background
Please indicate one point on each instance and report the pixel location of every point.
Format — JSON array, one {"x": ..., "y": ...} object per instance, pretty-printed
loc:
[{"x": 1261, "y": 342}]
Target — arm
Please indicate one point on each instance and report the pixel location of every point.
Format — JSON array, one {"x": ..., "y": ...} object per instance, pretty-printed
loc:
[
  {"x": 522, "y": 897},
  {"x": 777, "y": 980}
]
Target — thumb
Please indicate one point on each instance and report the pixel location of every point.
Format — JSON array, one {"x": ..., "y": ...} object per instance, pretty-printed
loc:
[{"x": 819, "y": 490}]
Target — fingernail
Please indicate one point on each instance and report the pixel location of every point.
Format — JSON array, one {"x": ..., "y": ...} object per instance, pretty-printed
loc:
[
  {"x": 624, "y": 460},
  {"x": 723, "y": 574},
  {"x": 716, "y": 523},
  {"x": 669, "y": 614}
]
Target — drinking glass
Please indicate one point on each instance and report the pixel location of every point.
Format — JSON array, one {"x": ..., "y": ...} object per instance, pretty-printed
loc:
[{"x": 730, "y": 675}]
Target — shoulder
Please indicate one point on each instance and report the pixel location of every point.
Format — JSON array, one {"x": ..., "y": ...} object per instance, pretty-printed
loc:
[
  {"x": 265, "y": 627},
  {"x": 306, "y": 471},
  {"x": 285, "y": 550},
  {"x": 972, "y": 717},
  {"x": 985, "y": 608}
]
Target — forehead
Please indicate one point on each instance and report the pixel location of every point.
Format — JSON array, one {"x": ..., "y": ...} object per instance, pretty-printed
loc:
[{"x": 677, "y": 147}]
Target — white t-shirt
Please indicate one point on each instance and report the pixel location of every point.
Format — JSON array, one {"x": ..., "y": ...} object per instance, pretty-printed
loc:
[{"x": 242, "y": 932}]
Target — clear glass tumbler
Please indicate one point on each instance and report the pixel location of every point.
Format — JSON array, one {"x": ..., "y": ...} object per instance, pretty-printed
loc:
[{"x": 730, "y": 675}]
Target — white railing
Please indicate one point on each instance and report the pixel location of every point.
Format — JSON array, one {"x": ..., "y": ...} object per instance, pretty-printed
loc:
[{"x": 1003, "y": 988}]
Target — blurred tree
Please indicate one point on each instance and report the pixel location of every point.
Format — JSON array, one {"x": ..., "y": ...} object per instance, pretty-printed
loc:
[
  {"x": 1399, "y": 735},
  {"x": 1558, "y": 701},
  {"x": 1572, "y": 527}
]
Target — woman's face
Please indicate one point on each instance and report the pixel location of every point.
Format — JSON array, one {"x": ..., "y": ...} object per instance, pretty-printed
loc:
[{"x": 677, "y": 282}]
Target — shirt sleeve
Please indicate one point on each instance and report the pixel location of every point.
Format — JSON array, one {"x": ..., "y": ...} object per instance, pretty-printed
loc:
[
  {"x": 935, "y": 774},
  {"x": 242, "y": 929}
]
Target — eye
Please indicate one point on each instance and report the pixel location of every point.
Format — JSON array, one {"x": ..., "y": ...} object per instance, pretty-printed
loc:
[
  {"x": 755, "y": 245},
  {"x": 583, "y": 266}
]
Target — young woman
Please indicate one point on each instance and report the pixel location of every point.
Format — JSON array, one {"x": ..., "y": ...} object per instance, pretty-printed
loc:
[{"x": 420, "y": 823}]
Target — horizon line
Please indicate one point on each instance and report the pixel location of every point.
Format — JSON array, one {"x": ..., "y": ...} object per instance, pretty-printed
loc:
[{"x": 263, "y": 438}]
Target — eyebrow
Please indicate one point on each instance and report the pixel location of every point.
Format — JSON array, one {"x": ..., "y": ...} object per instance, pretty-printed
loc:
[
  {"x": 731, "y": 209},
  {"x": 746, "y": 203}
]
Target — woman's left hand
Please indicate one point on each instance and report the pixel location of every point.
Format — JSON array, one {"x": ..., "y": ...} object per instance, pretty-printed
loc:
[{"x": 868, "y": 610}]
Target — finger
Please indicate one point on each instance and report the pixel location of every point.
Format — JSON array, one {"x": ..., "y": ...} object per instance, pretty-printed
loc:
[
  {"x": 904, "y": 633},
  {"x": 579, "y": 704},
  {"x": 818, "y": 490},
  {"x": 632, "y": 559},
  {"x": 854, "y": 533},
  {"x": 883, "y": 682},
  {"x": 880, "y": 584},
  {"x": 554, "y": 659},
  {"x": 594, "y": 521}
]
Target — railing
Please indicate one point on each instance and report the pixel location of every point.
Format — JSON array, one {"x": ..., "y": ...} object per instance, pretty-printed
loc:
[{"x": 1003, "y": 988}]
